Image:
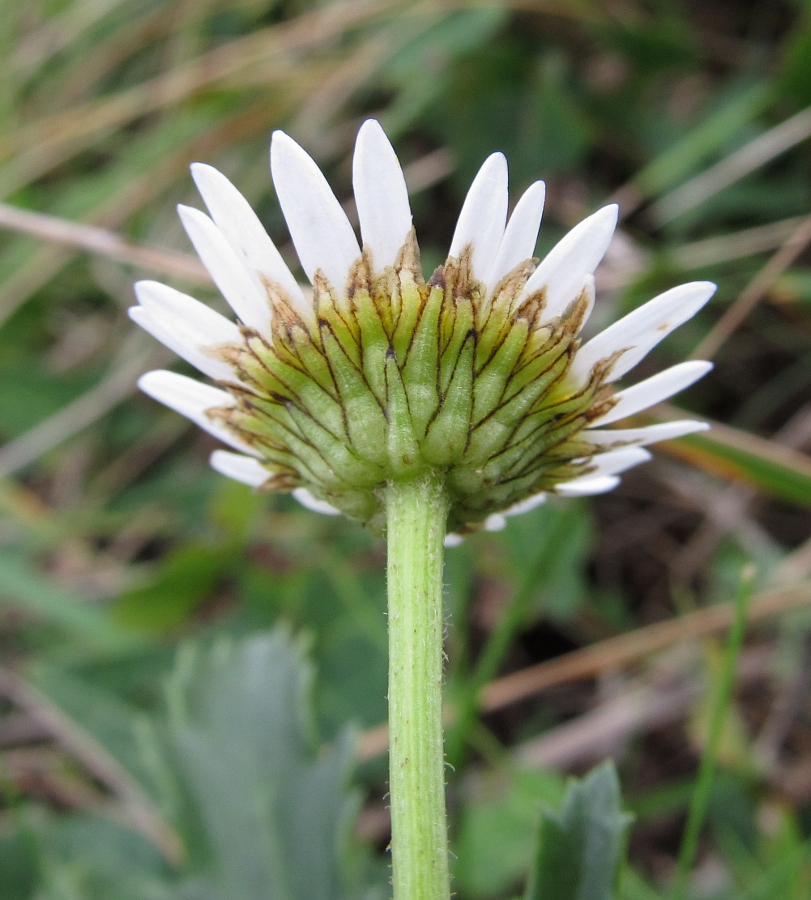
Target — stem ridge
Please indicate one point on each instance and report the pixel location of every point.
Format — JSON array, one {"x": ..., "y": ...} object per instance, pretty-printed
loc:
[{"x": 417, "y": 513}]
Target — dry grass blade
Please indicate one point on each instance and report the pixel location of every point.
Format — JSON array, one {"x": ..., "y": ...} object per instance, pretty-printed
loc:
[
  {"x": 736, "y": 245},
  {"x": 102, "y": 241},
  {"x": 131, "y": 362},
  {"x": 737, "y": 165},
  {"x": 58, "y": 32},
  {"x": 599, "y": 732},
  {"x": 778, "y": 454},
  {"x": 49, "y": 141},
  {"x": 795, "y": 565},
  {"x": 131, "y": 194},
  {"x": 754, "y": 292},
  {"x": 628, "y": 710},
  {"x": 629, "y": 648},
  {"x": 614, "y": 653},
  {"x": 339, "y": 83},
  {"x": 137, "y": 805},
  {"x": 420, "y": 175}
]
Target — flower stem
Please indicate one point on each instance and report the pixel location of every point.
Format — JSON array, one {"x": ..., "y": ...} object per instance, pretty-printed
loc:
[{"x": 416, "y": 514}]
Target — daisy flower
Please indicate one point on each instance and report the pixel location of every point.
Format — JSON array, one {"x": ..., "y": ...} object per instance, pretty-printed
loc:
[
  {"x": 425, "y": 408},
  {"x": 477, "y": 375}
]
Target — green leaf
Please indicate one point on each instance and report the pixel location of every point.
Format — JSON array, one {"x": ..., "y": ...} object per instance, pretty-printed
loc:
[
  {"x": 86, "y": 857},
  {"x": 182, "y": 582},
  {"x": 17, "y": 866},
  {"x": 498, "y": 828},
  {"x": 272, "y": 813},
  {"x": 579, "y": 849},
  {"x": 732, "y": 115},
  {"x": 548, "y": 554},
  {"x": 22, "y": 587},
  {"x": 740, "y": 456},
  {"x": 261, "y": 809}
]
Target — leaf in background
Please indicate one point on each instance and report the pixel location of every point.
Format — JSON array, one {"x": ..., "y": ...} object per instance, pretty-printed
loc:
[
  {"x": 263, "y": 813},
  {"x": 272, "y": 812},
  {"x": 795, "y": 77},
  {"x": 548, "y": 553},
  {"x": 732, "y": 114},
  {"x": 233, "y": 509},
  {"x": 90, "y": 858},
  {"x": 183, "y": 581},
  {"x": 413, "y": 71},
  {"x": 18, "y": 868},
  {"x": 580, "y": 848},
  {"x": 91, "y": 708},
  {"x": 498, "y": 831},
  {"x": 740, "y": 456},
  {"x": 21, "y": 586}
]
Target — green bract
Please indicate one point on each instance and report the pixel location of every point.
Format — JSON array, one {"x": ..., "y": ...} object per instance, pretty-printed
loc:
[{"x": 396, "y": 376}]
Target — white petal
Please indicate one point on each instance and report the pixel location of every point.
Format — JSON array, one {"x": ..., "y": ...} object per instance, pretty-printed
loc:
[
  {"x": 185, "y": 326},
  {"x": 649, "y": 434},
  {"x": 240, "y": 226},
  {"x": 495, "y": 522},
  {"x": 227, "y": 270},
  {"x": 191, "y": 399},
  {"x": 172, "y": 335},
  {"x": 521, "y": 234},
  {"x": 453, "y": 540},
  {"x": 526, "y": 505},
  {"x": 576, "y": 255},
  {"x": 306, "y": 499},
  {"x": 654, "y": 390},
  {"x": 614, "y": 462},
  {"x": 321, "y": 232},
  {"x": 587, "y": 486},
  {"x": 241, "y": 468},
  {"x": 640, "y": 331},
  {"x": 381, "y": 195},
  {"x": 483, "y": 216},
  {"x": 212, "y": 328}
]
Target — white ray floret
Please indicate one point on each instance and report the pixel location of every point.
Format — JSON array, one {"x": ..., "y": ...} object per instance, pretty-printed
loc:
[
  {"x": 165, "y": 330},
  {"x": 307, "y": 500},
  {"x": 655, "y": 389},
  {"x": 241, "y": 468},
  {"x": 185, "y": 326},
  {"x": 640, "y": 331},
  {"x": 520, "y": 235},
  {"x": 614, "y": 462},
  {"x": 648, "y": 434},
  {"x": 587, "y": 486},
  {"x": 526, "y": 505},
  {"x": 381, "y": 195},
  {"x": 322, "y": 235},
  {"x": 494, "y": 522},
  {"x": 227, "y": 270},
  {"x": 192, "y": 399},
  {"x": 240, "y": 226},
  {"x": 605, "y": 469},
  {"x": 483, "y": 217},
  {"x": 576, "y": 255}
]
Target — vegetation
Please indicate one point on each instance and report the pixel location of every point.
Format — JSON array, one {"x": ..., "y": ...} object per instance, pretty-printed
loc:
[{"x": 193, "y": 676}]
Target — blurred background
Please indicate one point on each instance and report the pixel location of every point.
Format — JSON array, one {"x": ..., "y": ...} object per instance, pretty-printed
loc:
[{"x": 192, "y": 677}]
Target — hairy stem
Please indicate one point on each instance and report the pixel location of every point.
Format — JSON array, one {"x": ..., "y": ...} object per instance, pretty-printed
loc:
[{"x": 416, "y": 516}]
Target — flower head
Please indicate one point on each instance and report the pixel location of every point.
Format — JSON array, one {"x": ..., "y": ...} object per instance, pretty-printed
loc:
[{"x": 478, "y": 373}]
